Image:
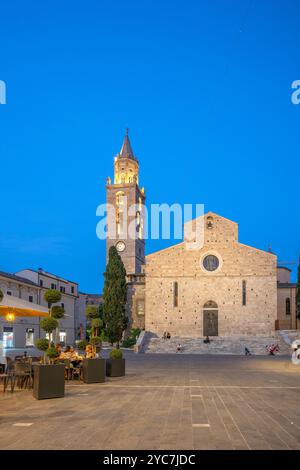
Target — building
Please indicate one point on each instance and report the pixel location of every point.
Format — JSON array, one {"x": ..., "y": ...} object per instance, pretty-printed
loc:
[
  {"x": 24, "y": 331},
  {"x": 31, "y": 285},
  {"x": 286, "y": 299},
  {"x": 221, "y": 288}
]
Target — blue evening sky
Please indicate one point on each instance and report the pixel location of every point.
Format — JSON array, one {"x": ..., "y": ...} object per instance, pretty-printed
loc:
[{"x": 205, "y": 89}]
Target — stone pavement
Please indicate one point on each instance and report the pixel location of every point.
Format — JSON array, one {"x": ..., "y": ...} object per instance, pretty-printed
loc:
[
  {"x": 218, "y": 345},
  {"x": 165, "y": 402}
]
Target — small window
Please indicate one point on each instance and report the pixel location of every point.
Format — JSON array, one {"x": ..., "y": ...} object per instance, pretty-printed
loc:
[
  {"x": 8, "y": 292},
  {"x": 41, "y": 283},
  {"x": 62, "y": 289},
  {"x": 140, "y": 307},
  {"x": 63, "y": 305},
  {"x": 29, "y": 337},
  {"x": 175, "y": 293},
  {"x": 53, "y": 286},
  {"x": 72, "y": 289},
  {"x": 288, "y": 306},
  {"x": 30, "y": 298},
  {"x": 244, "y": 293}
]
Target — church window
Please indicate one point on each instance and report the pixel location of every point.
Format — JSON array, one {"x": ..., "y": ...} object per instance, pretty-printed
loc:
[
  {"x": 209, "y": 224},
  {"x": 210, "y": 263},
  {"x": 140, "y": 307},
  {"x": 175, "y": 293},
  {"x": 287, "y": 306},
  {"x": 244, "y": 293}
]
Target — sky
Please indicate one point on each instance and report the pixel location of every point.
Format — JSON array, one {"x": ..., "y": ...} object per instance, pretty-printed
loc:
[{"x": 205, "y": 89}]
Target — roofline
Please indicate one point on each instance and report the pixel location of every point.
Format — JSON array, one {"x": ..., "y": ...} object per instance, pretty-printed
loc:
[
  {"x": 15, "y": 277},
  {"x": 50, "y": 275}
]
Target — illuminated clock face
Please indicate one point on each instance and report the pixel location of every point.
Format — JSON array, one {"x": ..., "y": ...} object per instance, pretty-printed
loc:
[{"x": 120, "y": 246}]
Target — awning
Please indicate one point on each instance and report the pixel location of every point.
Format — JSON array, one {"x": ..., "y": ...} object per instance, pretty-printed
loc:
[{"x": 21, "y": 308}]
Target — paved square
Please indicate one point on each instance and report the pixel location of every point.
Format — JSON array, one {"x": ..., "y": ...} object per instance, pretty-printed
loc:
[{"x": 165, "y": 402}]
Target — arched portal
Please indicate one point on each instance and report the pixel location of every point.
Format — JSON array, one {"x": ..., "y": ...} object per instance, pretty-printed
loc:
[{"x": 210, "y": 318}]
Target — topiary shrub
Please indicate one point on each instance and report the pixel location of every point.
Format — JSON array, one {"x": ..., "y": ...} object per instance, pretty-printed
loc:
[
  {"x": 82, "y": 344},
  {"x": 49, "y": 324},
  {"x": 57, "y": 312},
  {"x": 42, "y": 344},
  {"x": 52, "y": 353},
  {"x": 1, "y": 295},
  {"x": 52, "y": 296},
  {"x": 115, "y": 354}
]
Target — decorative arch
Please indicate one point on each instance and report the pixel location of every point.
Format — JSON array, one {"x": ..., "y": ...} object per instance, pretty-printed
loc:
[{"x": 210, "y": 304}]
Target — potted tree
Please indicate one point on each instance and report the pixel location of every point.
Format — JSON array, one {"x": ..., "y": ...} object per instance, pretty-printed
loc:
[
  {"x": 49, "y": 378},
  {"x": 115, "y": 365},
  {"x": 93, "y": 367},
  {"x": 115, "y": 297}
]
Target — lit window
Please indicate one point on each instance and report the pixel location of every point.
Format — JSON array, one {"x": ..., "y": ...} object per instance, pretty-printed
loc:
[
  {"x": 29, "y": 337},
  {"x": 62, "y": 337},
  {"x": 8, "y": 337},
  {"x": 140, "y": 307}
]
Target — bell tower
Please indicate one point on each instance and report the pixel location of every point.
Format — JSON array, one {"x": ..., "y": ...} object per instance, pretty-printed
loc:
[{"x": 125, "y": 201}]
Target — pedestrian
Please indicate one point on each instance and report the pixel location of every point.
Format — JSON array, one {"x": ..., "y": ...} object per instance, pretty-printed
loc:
[
  {"x": 247, "y": 352},
  {"x": 179, "y": 348}
]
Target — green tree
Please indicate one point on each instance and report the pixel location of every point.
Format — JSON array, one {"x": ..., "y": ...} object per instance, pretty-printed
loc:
[{"x": 114, "y": 297}]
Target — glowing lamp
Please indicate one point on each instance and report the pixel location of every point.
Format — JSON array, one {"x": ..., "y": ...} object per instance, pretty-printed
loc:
[{"x": 10, "y": 317}]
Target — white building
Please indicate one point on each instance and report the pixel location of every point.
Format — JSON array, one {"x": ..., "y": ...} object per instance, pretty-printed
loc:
[{"x": 31, "y": 285}]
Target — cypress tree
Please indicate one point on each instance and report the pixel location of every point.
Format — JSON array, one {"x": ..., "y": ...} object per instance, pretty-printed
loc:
[{"x": 114, "y": 297}]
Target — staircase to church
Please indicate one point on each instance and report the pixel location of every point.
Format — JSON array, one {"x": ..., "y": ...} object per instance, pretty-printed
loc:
[{"x": 218, "y": 345}]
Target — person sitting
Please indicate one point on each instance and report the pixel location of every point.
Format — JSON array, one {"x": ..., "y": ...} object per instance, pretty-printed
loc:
[
  {"x": 247, "y": 352},
  {"x": 89, "y": 352},
  {"x": 66, "y": 354},
  {"x": 165, "y": 335},
  {"x": 168, "y": 336},
  {"x": 207, "y": 340},
  {"x": 179, "y": 348}
]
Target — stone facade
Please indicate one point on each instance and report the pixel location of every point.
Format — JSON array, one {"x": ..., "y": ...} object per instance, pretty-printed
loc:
[{"x": 241, "y": 268}]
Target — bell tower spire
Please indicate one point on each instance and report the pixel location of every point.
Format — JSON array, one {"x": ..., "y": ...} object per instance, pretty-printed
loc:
[{"x": 127, "y": 199}]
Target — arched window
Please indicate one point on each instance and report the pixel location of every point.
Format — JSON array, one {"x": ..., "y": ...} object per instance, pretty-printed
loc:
[
  {"x": 210, "y": 304},
  {"x": 287, "y": 306}
]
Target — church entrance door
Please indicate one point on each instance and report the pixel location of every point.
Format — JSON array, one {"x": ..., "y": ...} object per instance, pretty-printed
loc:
[{"x": 210, "y": 319}]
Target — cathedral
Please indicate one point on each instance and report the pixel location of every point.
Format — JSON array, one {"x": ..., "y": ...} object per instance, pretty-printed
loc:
[{"x": 222, "y": 288}]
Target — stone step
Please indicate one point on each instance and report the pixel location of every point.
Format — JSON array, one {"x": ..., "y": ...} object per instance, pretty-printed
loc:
[{"x": 218, "y": 345}]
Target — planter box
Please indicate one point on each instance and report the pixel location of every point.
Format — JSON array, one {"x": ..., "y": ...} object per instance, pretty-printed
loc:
[
  {"x": 115, "y": 367},
  {"x": 93, "y": 370},
  {"x": 49, "y": 381}
]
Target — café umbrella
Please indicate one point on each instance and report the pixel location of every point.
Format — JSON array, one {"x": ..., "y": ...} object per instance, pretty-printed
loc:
[{"x": 11, "y": 307}]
